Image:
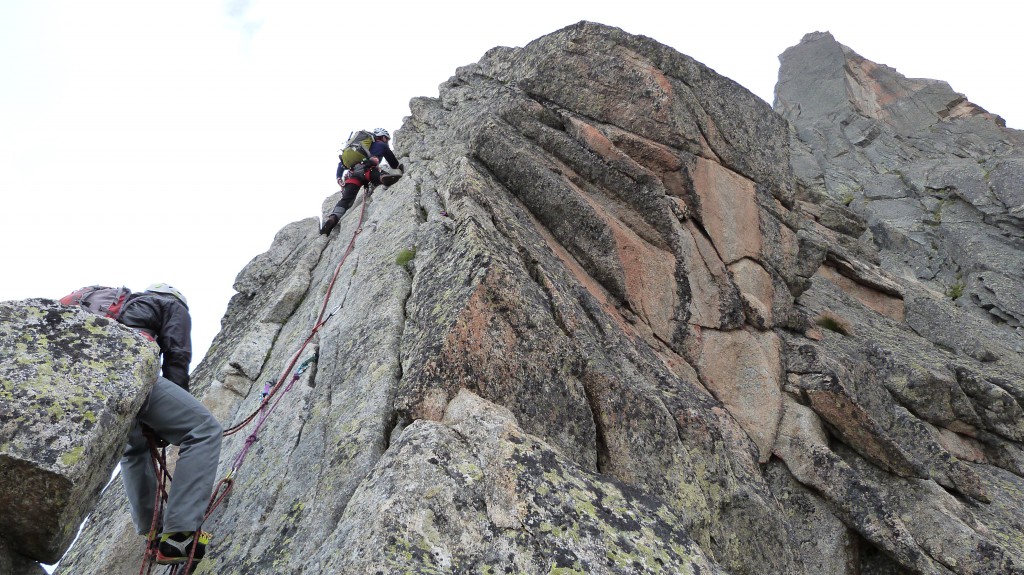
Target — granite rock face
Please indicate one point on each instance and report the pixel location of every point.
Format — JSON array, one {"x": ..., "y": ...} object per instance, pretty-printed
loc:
[
  {"x": 915, "y": 194},
  {"x": 603, "y": 325},
  {"x": 938, "y": 181},
  {"x": 71, "y": 383}
]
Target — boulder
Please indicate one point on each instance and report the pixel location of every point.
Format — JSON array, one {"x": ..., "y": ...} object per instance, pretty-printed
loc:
[{"x": 71, "y": 383}]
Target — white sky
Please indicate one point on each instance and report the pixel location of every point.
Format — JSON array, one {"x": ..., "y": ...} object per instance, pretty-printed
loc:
[{"x": 145, "y": 141}]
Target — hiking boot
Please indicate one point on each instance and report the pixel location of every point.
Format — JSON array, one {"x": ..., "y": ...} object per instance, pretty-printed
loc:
[
  {"x": 329, "y": 223},
  {"x": 176, "y": 547}
]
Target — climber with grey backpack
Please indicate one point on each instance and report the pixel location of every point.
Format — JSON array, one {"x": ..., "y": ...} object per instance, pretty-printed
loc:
[
  {"x": 170, "y": 414},
  {"x": 359, "y": 165}
]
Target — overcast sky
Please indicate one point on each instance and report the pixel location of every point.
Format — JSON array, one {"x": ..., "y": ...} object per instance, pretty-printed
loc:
[{"x": 145, "y": 141}]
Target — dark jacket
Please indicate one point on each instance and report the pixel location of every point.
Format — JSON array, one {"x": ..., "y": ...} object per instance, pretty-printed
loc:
[
  {"x": 167, "y": 319},
  {"x": 380, "y": 149}
]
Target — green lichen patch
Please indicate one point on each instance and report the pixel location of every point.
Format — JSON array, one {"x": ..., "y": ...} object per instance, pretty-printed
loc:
[
  {"x": 405, "y": 256},
  {"x": 72, "y": 456}
]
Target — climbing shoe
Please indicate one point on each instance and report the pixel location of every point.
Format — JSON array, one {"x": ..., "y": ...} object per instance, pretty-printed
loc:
[
  {"x": 176, "y": 547},
  {"x": 329, "y": 223}
]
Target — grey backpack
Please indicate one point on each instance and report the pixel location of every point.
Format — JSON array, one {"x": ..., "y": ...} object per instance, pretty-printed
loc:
[{"x": 101, "y": 300}]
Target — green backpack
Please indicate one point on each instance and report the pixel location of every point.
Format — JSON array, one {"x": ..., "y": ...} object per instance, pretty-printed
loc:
[{"x": 357, "y": 149}]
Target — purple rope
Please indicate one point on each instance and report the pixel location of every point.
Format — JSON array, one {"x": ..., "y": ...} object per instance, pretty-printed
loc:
[{"x": 264, "y": 414}]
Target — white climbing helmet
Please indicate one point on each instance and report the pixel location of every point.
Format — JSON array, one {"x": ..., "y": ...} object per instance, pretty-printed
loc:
[
  {"x": 381, "y": 133},
  {"x": 168, "y": 289}
]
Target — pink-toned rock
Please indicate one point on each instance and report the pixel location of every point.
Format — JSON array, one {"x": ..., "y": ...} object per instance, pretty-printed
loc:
[
  {"x": 756, "y": 287},
  {"x": 650, "y": 280},
  {"x": 706, "y": 275},
  {"x": 884, "y": 304},
  {"x": 800, "y": 431},
  {"x": 742, "y": 369},
  {"x": 961, "y": 446},
  {"x": 837, "y": 404},
  {"x": 728, "y": 210}
]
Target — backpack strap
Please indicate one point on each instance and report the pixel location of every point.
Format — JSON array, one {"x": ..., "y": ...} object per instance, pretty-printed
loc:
[{"x": 114, "y": 311}]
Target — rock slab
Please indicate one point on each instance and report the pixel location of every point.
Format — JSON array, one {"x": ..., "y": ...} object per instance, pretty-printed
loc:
[{"x": 70, "y": 384}]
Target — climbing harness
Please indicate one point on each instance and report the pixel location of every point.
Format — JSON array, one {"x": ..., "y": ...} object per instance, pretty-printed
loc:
[{"x": 269, "y": 394}]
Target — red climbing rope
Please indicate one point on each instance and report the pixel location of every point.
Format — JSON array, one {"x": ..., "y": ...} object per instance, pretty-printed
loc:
[
  {"x": 320, "y": 321},
  {"x": 223, "y": 487},
  {"x": 158, "y": 455},
  {"x": 269, "y": 394}
]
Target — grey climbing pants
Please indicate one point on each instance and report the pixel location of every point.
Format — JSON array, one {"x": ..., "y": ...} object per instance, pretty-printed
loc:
[{"x": 180, "y": 419}]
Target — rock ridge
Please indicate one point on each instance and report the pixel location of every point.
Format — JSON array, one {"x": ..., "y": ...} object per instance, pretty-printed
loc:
[{"x": 620, "y": 318}]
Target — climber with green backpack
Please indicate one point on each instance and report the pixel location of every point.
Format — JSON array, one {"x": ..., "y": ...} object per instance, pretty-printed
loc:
[{"x": 359, "y": 166}]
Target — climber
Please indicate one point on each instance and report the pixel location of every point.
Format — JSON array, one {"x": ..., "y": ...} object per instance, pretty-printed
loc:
[
  {"x": 352, "y": 178},
  {"x": 175, "y": 416}
]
